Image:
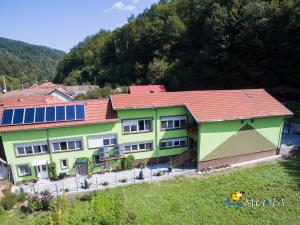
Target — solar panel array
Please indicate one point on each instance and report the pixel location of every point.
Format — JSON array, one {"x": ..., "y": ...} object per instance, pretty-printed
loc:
[{"x": 43, "y": 114}]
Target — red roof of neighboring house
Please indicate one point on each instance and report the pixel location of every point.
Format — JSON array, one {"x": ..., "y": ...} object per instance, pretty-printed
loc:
[
  {"x": 206, "y": 106},
  {"x": 14, "y": 101},
  {"x": 146, "y": 89},
  {"x": 96, "y": 111}
]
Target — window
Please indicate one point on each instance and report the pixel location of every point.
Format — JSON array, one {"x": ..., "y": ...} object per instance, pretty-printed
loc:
[
  {"x": 132, "y": 126},
  {"x": 173, "y": 143},
  {"x": 24, "y": 170},
  {"x": 252, "y": 120},
  {"x": 101, "y": 141},
  {"x": 139, "y": 147},
  {"x": 64, "y": 164},
  {"x": 173, "y": 122},
  {"x": 242, "y": 121},
  {"x": 66, "y": 145},
  {"x": 31, "y": 148}
]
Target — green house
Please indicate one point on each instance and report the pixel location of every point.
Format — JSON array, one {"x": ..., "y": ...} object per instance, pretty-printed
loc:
[{"x": 207, "y": 128}]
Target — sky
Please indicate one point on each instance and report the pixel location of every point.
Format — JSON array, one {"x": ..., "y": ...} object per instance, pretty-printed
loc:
[{"x": 61, "y": 24}]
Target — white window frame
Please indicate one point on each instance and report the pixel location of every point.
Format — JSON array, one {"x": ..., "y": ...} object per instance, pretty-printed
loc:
[
  {"x": 67, "y": 143},
  {"x": 171, "y": 120},
  {"x": 170, "y": 143},
  {"x": 20, "y": 174},
  {"x": 98, "y": 141},
  {"x": 62, "y": 166},
  {"x": 31, "y": 145},
  {"x": 132, "y": 123},
  {"x": 138, "y": 147}
]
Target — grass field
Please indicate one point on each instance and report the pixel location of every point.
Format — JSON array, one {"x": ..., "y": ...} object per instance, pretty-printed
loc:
[{"x": 189, "y": 200}]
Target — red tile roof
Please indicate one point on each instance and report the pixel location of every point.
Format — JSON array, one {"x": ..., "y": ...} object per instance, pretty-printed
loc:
[
  {"x": 206, "y": 106},
  {"x": 96, "y": 111},
  {"x": 14, "y": 101},
  {"x": 146, "y": 89}
]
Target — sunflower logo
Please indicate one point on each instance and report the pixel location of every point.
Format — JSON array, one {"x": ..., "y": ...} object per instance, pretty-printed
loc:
[{"x": 237, "y": 196}]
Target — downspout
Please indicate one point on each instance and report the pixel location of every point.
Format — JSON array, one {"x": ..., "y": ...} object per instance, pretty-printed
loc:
[
  {"x": 155, "y": 138},
  {"x": 49, "y": 146},
  {"x": 198, "y": 143},
  {"x": 279, "y": 139}
]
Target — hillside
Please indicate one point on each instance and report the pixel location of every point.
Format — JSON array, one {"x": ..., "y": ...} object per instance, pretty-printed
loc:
[
  {"x": 198, "y": 44},
  {"x": 23, "y": 62}
]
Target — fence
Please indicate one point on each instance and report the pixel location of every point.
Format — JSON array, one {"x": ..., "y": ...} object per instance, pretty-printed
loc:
[{"x": 73, "y": 185}]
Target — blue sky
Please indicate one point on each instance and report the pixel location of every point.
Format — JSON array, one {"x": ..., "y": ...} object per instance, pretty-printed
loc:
[{"x": 62, "y": 24}]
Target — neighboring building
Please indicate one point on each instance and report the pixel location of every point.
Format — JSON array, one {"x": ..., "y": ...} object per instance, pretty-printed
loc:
[
  {"x": 12, "y": 101},
  {"x": 46, "y": 89},
  {"x": 146, "y": 89},
  {"x": 70, "y": 90},
  {"x": 34, "y": 92},
  {"x": 218, "y": 126}
]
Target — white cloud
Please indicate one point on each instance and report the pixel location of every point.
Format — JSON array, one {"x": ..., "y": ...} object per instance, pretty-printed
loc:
[
  {"x": 135, "y": 1},
  {"x": 121, "y": 6}
]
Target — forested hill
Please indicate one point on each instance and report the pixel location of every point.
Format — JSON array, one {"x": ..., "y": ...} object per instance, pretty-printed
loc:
[
  {"x": 194, "y": 44},
  {"x": 23, "y": 62}
]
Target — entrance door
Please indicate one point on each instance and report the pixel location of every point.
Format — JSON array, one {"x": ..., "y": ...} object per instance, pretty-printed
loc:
[{"x": 42, "y": 171}]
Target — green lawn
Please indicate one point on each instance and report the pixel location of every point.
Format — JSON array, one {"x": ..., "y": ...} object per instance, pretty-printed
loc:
[{"x": 189, "y": 200}]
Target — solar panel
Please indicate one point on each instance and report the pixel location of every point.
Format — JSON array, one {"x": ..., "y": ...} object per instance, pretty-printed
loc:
[
  {"x": 70, "y": 112},
  {"x": 39, "y": 115},
  {"x": 80, "y": 112},
  {"x": 29, "y": 115},
  {"x": 43, "y": 114},
  {"x": 18, "y": 116},
  {"x": 60, "y": 113},
  {"x": 50, "y": 114},
  {"x": 7, "y": 116}
]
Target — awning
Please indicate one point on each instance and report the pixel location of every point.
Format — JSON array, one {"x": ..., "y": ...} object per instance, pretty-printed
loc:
[{"x": 39, "y": 162}]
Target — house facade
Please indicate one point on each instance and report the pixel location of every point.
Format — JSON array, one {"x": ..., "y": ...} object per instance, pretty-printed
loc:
[{"x": 220, "y": 127}]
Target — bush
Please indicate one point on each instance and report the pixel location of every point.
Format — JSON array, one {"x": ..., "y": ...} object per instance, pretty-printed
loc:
[
  {"x": 2, "y": 210},
  {"x": 158, "y": 174},
  {"x": 141, "y": 175},
  {"x": 39, "y": 201},
  {"x": 124, "y": 180},
  {"x": 9, "y": 201},
  {"x": 105, "y": 183},
  {"x": 52, "y": 171},
  {"x": 128, "y": 162},
  {"x": 59, "y": 208},
  {"x": 86, "y": 184}
]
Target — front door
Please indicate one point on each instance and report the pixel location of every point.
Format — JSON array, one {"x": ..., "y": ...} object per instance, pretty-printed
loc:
[{"x": 42, "y": 171}]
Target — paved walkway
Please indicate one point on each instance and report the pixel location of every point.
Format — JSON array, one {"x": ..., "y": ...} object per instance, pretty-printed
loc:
[{"x": 112, "y": 179}]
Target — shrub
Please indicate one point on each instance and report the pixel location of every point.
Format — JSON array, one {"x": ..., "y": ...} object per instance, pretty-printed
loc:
[
  {"x": 9, "y": 201},
  {"x": 52, "y": 171},
  {"x": 128, "y": 162},
  {"x": 141, "y": 175},
  {"x": 158, "y": 174},
  {"x": 105, "y": 183},
  {"x": 85, "y": 184},
  {"x": 59, "y": 208},
  {"x": 2, "y": 210},
  {"x": 124, "y": 180},
  {"x": 39, "y": 201}
]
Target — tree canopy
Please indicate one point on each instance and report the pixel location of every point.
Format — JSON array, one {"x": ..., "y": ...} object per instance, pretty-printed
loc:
[
  {"x": 23, "y": 62},
  {"x": 194, "y": 44}
]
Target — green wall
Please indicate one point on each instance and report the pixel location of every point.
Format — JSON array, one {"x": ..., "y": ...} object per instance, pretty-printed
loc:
[
  {"x": 212, "y": 135},
  {"x": 17, "y": 137}
]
